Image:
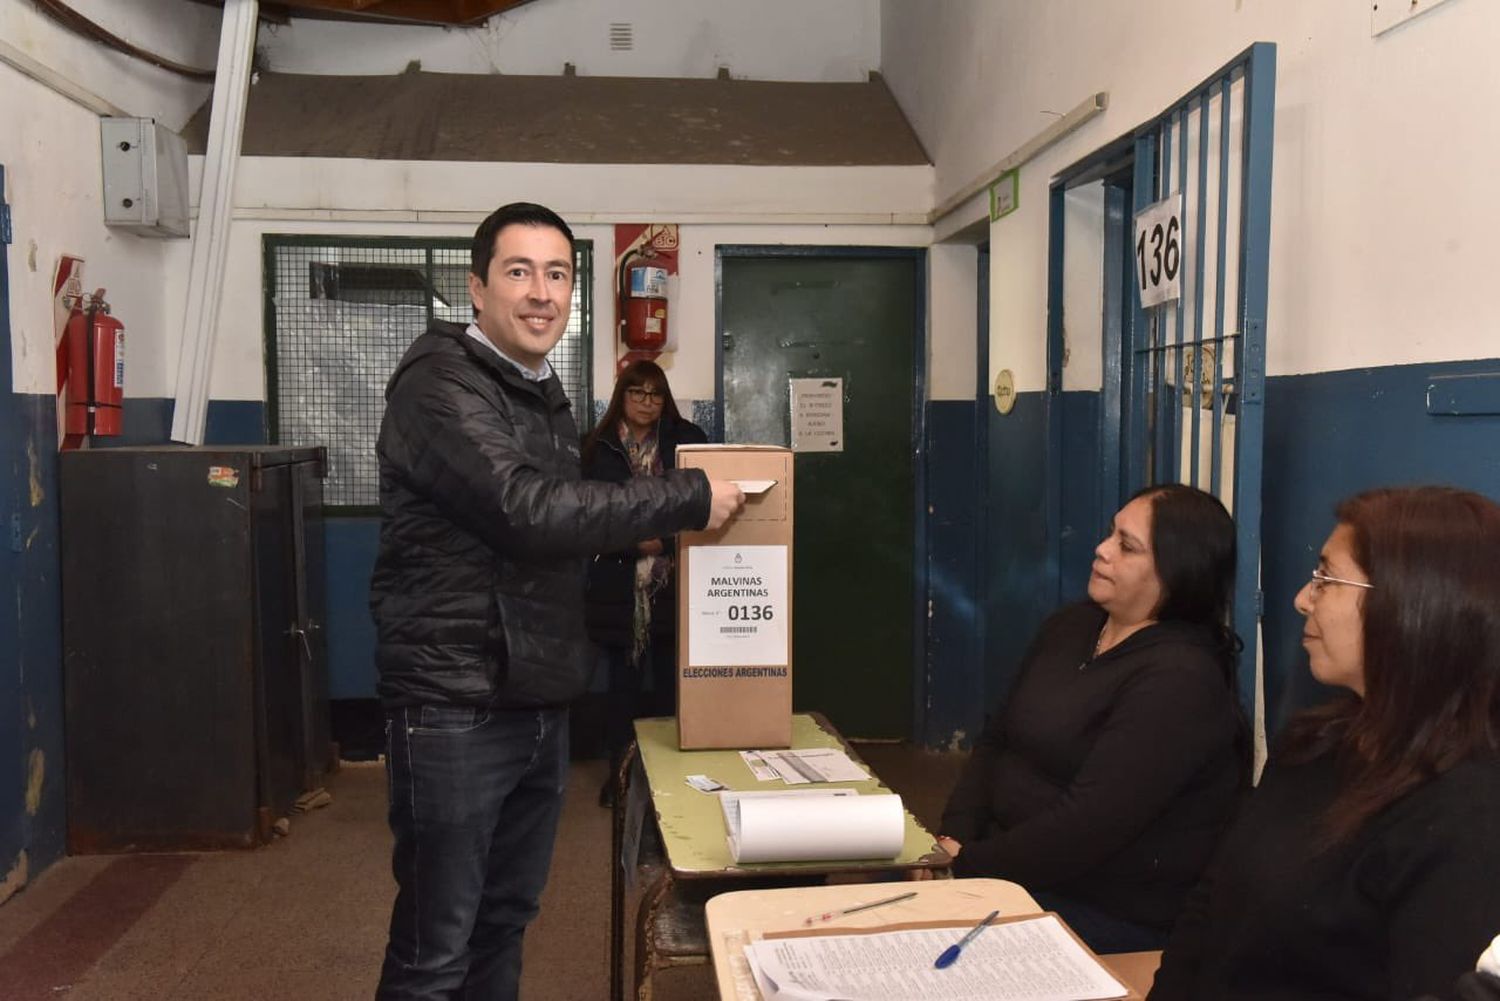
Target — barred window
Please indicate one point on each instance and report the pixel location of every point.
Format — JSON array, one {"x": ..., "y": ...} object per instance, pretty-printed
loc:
[{"x": 340, "y": 311}]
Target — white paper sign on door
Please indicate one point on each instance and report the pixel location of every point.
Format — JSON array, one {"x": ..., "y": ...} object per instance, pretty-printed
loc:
[
  {"x": 737, "y": 606},
  {"x": 817, "y": 415},
  {"x": 1158, "y": 251}
]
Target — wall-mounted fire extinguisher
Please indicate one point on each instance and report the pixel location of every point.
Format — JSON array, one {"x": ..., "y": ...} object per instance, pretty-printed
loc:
[
  {"x": 643, "y": 302},
  {"x": 96, "y": 368}
]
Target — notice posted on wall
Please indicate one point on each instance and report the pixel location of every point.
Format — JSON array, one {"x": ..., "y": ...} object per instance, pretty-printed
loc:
[
  {"x": 737, "y": 606},
  {"x": 817, "y": 414}
]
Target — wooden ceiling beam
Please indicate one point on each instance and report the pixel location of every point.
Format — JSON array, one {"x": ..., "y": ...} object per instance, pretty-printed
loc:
[{"x": 450, "y": 12}]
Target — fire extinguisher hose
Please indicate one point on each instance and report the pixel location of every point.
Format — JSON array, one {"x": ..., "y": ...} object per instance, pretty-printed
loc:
[{"x": 623, "y": 289}]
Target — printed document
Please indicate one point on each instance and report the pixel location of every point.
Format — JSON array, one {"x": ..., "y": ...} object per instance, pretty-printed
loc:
[{"x": 1029, "y": 960}]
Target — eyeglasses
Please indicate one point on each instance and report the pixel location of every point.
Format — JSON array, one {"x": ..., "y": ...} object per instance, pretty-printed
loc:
[
  {"x": 640, "y": 394},
  {"x": 1321, "y": 580}
]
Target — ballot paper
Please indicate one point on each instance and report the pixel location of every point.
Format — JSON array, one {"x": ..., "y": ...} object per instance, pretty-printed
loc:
[
  {"x": 1489, "y": 960},
  {"x": 757, "y": 765},
  {"x": 812, "y": 825},
  {"x": 812, "y": 764},
  {"x": 1033, "y": 959}
]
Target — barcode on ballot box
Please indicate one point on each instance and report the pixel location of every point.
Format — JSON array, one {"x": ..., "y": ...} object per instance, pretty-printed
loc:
[{"x": 737, "y": 629}]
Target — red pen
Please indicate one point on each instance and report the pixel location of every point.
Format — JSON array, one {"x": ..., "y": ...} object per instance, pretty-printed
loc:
[{"x": 830, "y": 915}]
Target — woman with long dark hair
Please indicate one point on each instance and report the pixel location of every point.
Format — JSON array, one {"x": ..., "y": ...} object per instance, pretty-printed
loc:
[
  {"x": 1104, "y": 783},
  {"x": 632, "y": 595},
  {"x": 1367, "y": 863}
]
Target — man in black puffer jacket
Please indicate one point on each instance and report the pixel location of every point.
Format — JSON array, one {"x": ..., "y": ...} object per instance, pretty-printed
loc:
[{"x": 477, "y": 597}]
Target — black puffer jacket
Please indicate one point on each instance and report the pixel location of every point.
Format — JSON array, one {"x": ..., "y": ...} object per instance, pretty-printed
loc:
[
  {"x": 477, "y": 593},
  {"x": 611, "y": 587}
]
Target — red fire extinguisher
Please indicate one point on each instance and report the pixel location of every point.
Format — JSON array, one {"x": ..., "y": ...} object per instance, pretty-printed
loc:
[
  {"x": 643, "y": 295},
  {"x": 96, "y": 369}
]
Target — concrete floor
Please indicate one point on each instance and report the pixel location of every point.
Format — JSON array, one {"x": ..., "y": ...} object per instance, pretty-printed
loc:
[{"x": 305, "y": 917}]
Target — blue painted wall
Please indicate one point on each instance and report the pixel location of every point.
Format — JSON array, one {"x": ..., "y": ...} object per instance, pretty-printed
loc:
[
  {"x": 986, "y": 564},
  {"x": 1018, "y": 550},
  {"x": 148, "y": 421},
  {"x": 351, "y": 545},
  {"x": 1328, "y": 435},
  {"x": 1331, "y": 435},
  {"x": 954, "y": 664},
  {"x": 31, "y": 734},
  {"x": 38, "y": 610}
]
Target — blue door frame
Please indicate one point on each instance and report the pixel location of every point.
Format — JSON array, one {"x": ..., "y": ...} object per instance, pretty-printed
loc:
[{"x": 1141, "y": 433}]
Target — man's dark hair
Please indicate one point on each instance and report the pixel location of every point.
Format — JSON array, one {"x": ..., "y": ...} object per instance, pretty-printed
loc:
[{"x": 514, "y": 214}]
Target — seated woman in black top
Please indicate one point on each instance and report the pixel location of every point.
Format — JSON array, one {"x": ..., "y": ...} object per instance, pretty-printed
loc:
[
  {"x": 1104, "y": 784},
  {"x": 632, "y": 595},
  {"x": 1367, "y": 863}
]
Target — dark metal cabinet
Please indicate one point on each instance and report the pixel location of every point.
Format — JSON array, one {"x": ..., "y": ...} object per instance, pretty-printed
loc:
[{"x": 194, "y": 665}]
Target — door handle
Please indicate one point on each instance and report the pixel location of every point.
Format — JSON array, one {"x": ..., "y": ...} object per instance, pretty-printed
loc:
[{"x": 301, "y": 634}]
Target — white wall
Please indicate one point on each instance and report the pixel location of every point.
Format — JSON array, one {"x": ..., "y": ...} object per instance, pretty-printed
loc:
[
  {"x": 49, "y": 146},
  {"x": 952, "y": 321},
  {"x": 831, "y": 40},
  {"x": 713, "y": 205},
  {"x": 1083, "y": 287},
  {"x": 53, "y": 160},
  {"x": 183, "y": 32},
  {"x": 1383, "y": 203}
]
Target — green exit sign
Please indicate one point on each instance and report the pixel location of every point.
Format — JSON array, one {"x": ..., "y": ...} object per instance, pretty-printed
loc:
[{"x": 1005, "y": 194}]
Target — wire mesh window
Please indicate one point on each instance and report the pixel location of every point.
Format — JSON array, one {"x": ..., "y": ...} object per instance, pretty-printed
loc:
[{"x": 339, "y": 314}]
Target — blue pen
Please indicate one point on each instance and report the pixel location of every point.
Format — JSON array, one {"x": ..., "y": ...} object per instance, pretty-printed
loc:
[{"x": 950, "y": 954}]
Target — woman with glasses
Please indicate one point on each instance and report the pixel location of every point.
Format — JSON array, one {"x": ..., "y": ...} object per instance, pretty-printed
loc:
[
  {"x": 1367, "y": 863},
  {"x": 632, "y": 597},
  {"x": 1106, "y": 780}
]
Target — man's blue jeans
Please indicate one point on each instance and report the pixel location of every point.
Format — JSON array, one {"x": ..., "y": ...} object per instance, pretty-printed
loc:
[{"x": 474, "y": 800}]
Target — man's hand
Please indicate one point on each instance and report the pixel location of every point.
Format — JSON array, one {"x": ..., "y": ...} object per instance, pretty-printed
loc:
[
  {"x": 728, "y": 501},
  {"x": 950, "y": 846},
  {"x": 651, "y": 547}
]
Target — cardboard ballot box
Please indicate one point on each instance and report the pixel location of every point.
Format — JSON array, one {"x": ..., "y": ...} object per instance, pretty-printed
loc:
[{"x": 734, "y": 607}]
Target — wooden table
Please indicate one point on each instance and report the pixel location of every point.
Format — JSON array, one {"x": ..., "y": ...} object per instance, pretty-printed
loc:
[
  {"x": 737, "y": 918},
  {"x": 692, "y": 830}
]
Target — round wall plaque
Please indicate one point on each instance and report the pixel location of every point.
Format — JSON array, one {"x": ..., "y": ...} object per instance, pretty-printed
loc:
[{"x": 1005, "y": 391}]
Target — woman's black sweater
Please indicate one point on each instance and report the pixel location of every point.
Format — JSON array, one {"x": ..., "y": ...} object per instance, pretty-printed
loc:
[
  {"x": 610, "y": 604},
  {"x": 1404, "y": 908},
  {"x": 1108, "y": 780}
]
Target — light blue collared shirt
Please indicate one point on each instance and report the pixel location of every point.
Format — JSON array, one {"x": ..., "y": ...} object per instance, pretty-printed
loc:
[{"x": 526, "y": 373}]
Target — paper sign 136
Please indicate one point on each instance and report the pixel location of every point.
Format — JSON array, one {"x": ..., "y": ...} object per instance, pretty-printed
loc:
[{"x": 1158, "y": 251}]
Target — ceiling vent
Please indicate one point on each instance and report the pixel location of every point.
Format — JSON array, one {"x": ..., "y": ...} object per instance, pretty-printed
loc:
[{"x": 622, "y": 36}]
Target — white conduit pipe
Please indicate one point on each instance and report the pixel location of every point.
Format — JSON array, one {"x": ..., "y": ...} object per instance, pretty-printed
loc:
[{"x": 211, "y": 234}]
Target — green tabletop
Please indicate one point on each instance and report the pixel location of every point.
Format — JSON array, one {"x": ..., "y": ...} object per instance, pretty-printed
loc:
[{"x": 692, "y": 824}]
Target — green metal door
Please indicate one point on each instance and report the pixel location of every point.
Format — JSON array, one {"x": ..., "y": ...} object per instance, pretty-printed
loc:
[{"x": 850, "y": 315}]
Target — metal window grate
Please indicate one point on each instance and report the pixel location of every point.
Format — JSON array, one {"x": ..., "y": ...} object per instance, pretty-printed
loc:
[{"x": 340, "y": 311}]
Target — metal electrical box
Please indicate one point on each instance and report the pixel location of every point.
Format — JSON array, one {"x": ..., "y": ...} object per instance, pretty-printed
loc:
[{"x": 145, "y": 177}]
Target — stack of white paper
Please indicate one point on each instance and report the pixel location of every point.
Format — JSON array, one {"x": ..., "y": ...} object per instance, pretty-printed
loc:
[
  {"x": 812, "y": 825},
  {"x": 812, "y": 764},
  {"x": 1030, "y": 960}
]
